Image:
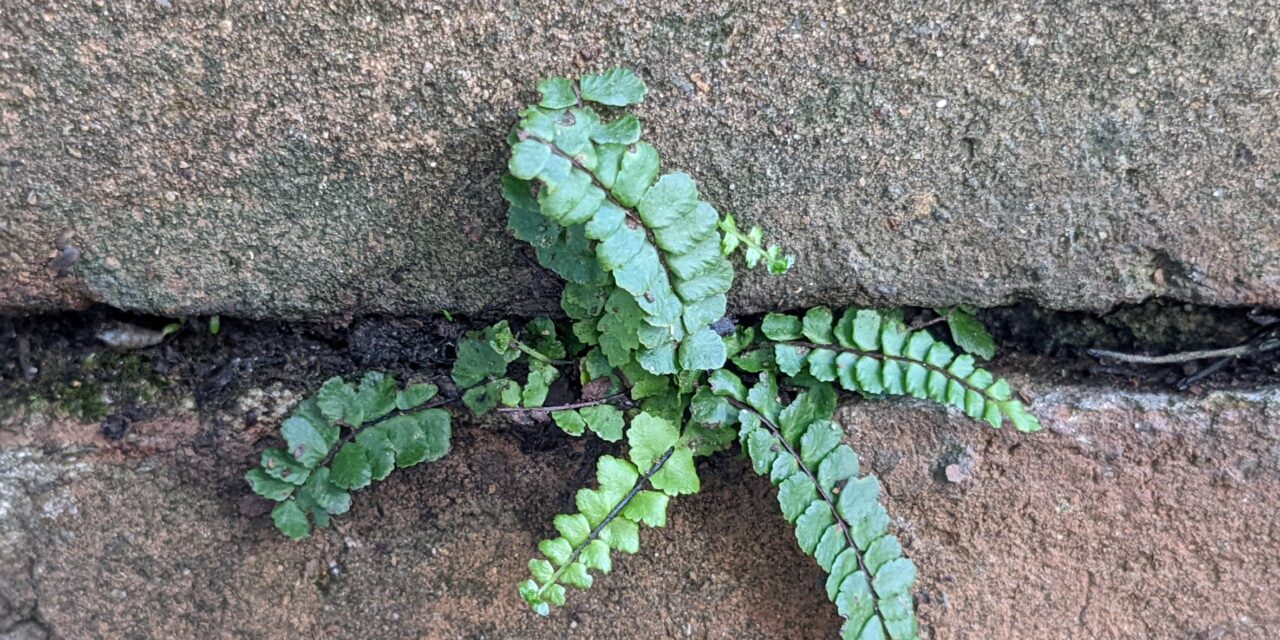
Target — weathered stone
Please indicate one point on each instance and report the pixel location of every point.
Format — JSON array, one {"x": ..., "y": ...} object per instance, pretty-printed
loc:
[{"x": 319, "y": 160}]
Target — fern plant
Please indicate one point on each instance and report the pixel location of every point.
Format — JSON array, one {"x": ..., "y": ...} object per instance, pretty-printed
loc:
[
  {"x": 344, "y": 439},
  {"x": 647, "y": 268}
]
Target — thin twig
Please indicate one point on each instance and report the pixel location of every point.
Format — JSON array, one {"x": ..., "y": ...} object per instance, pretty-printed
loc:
[
  {"x": 1189, "y": 356},
  {"x": 563, "y": 407},
  {"x": 916, "y": 326},
  {"x": 1264, "y": 339}
]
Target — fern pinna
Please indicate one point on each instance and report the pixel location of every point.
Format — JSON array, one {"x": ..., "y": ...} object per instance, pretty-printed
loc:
[{"x": 647, "y": 271}]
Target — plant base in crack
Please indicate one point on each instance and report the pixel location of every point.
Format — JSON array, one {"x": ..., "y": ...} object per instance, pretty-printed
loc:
[{"x": 647, "y": 268}]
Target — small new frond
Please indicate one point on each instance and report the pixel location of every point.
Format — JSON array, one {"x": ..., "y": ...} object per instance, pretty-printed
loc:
[
  {"x": 609, "y": 517},
  {"x": 753, "y": 248},
  {"x": 837, "y": 515},
  {"x": 385, "y": 428},
  {"x": 874, "y": 353}
]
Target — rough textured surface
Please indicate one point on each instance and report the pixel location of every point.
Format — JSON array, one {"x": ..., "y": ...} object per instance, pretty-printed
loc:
[
  {"x": 1134, "y": 515},
  {"x": 316, "y": 159}
]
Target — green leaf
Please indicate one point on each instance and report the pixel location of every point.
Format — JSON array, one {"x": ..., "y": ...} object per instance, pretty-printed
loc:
[
  {"x": 660, "y": 360},
  {"x": 582, "y": 302},
  {"x": 811, "y": 524},
  {"x": 325, "y": 495},
  {"x": 604, "y": 420},
  {"x": 724, "y": 383},
  {"x": 290, "y": 520},
  {"x": 649, "y": 438},
  {"x": 476, "y": 362},
  {"x": 715, "y": 280},
  {"x": 575, "y": 575},
  {"x": 698, "y": 259},
  {"x": 574, "y": 528},
  {"x": 763, "y": 450},
  {"x": 619, "y": 326},
  {"x": 673, "y": 197},
  {"x": 268, "y": 487},
  {"x": 624, "y": 130},
  {"x": 649, "y": 507},
  {"x": 615, "y": 88},
  {"x": 866, "y": 330},
  {"x": 867, "y": 372},
  {"x": 437, "y": 429},
  {"x": 795, "y": 494},
  {"x": 540, "y": 335},
  {"x": 542, "y": 570},
  {"x": 511, "y": 394},
  {"x": 702, "y": 350},
  {"x": 837, "y": 467},
  {"x": 678, "y": 476},
  {"x": 541, "y": 375},
  {"x": 644, "y": 384},
  {"x": 779, "y": 326},
  {"x": 569, "y": 421},
  {"x": 764, "y": 396},
  {"x": 637, "y": 170},
  {"x": 829, "y": 546},
  {"x": 282, "y": 466},
  {"x": 378, "y": 450},
  {"x": 596, "y": 556},
  {"x": 685, "y": 233},
  {"x": 790, "y": 359},
  {"x": 822, "y": 364},
  {"x": 939, "y": 355},
  {"x": 376, "y": 395},
  {"x": 305, "y": 442},
  {"x": 415, "y": 395},
  {"x": 528, "y": 157},
  {"x": 818, "y": 441},
  {"x": 558, "y": 550},
  {"x": 595, "y": 504},
  {"x": 407, "y": 440},
  {"x": 557, "y": 93},
  {"x": 710, "y": 410},
  {"x": 480, "y": 400},
  {"x": 817, "y": 325},
  {"x": 895, "y": 577},
  {"x": 969, "y": 334},
  {"x": 616, "y": 477},
  {"x": 881, "y": 551},
  {"x": 351, "y": 468},
  {"x": 338, "y": 402},
  {"x": 498, "y": 337},
  {"x": 570, "y": 256},
  {"x": 1022, "y": 420},
  {"x": 622, "y": 534},
  {"x": 814, "y": 405}
]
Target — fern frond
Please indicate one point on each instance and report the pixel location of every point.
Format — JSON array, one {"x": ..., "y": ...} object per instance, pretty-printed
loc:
[
  {"x": 657, "y": 240},
  {"x": 609, "y": 517},
  {"x": 837, "y": 515},
  {"x": 386, "y": 428},
  {"x": 483, "y": 358},
  {"x": 753, "y": 247},
  {"x": 875, "y": 353}
]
